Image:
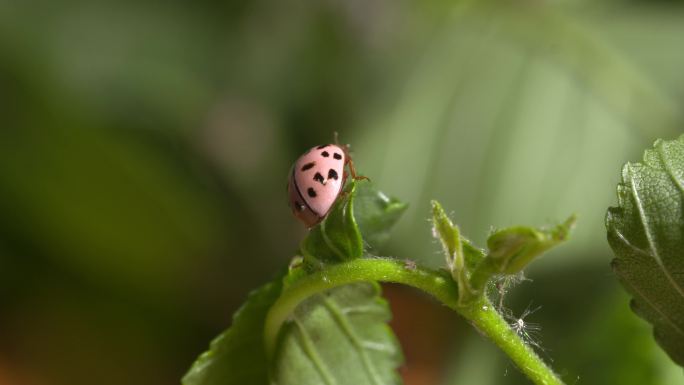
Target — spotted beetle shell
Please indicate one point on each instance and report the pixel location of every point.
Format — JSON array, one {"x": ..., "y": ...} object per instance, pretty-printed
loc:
[{"x": 315, "y": 182}]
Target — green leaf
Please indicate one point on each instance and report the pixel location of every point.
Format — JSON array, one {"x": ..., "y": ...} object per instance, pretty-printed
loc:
[
  {"x": 363, "y": 210},
  {"x": 337, "y": 238},
  {"x": 473, "y": 255},
  {"x": 514, "y": 248},
  {"x": 353, "y": 314},
  {"x": 237, "y": 356},
  {"x": 450, "y": 237},
  {"x": 376, "y": 213},
  {"x": 452, "y": 240},
  {"x": 339, "y": 337},
  {"x": 342, "y": 329},
  {"x": 646, "y": 233}
]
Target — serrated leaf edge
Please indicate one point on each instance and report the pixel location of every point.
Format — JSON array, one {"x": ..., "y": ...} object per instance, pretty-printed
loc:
[{"x": 647, "y": 231}]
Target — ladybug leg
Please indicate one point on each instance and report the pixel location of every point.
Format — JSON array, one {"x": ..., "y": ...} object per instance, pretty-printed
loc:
[
  {"x": 349, "y": 162},
  {"x": 352, "y": 170}
]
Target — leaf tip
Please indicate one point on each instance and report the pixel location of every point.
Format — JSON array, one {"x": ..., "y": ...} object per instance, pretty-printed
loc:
[{"x": 564, "y": 229}]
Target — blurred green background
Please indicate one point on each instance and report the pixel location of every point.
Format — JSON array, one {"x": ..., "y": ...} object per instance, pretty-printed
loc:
[{"x": 144, "y": 148}]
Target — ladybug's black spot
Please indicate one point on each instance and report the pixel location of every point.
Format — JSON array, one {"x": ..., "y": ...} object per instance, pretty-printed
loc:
[
  {"x": 308, "y": 166},
  {"x": 325, "y": 154},
  {"x": 337, "y": 156},
  {"x": 319, "y": 178},
  {"x": 311, "y": 192},
  {"x": 322, "y": 146},
  {"x": 332, "y": 174}
]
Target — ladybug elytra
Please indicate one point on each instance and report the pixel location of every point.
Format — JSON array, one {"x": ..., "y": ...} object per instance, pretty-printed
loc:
[{"x": 316, "y": 181}]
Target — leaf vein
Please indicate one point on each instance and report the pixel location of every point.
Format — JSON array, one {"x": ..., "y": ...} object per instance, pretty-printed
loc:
[
  {"x": 629, "y": 244},
  {"x": 649, "y": 236},
  {"x": 655, "y": 308},
  {"x": 364, "y": 309},
  {"x": 670, "y": 171},
  {"x": 378, "y": 346},
  {"x": 346, "y": 327},
  {"x": 309, "y": 348}
]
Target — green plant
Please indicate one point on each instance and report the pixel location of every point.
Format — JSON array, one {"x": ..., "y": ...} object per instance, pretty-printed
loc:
[
  {"x": 646, "y": 233},
  {"x": 323, "y": 320}
]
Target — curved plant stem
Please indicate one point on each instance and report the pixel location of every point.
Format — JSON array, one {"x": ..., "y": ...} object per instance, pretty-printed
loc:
[{"x": 439, "y": 284}]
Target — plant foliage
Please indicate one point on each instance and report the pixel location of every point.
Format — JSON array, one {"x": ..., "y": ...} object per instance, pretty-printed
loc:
[
  {"x": 237, "y": 356},
  {"x": 340, "y": 337},
  {"x": 646, "y": 233},
  {"x": 337, "y": 337}
]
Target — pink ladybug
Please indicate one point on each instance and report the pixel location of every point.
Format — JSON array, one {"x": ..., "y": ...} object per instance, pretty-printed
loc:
[{"x": 316, "y": 180}]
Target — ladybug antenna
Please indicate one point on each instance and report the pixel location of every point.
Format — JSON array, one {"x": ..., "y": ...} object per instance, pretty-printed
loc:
[{"x": 337, "y": 141}]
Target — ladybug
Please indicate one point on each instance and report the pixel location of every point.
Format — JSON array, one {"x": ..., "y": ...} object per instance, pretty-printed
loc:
[{"x": 316, "y": 180}]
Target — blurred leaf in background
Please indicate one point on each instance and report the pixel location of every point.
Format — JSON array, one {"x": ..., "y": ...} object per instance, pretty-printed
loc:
[{"x": 144, "y": 148}]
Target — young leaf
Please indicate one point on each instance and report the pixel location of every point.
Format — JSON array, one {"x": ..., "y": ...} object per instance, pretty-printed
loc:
[
  {"x": 450, "y": 237},
  {"x": 364, "y": 210},
  {"x": 375, "y": 213},
  {"x": 452, "y": 240},
  {"x": 237, "y": 356},
  {"x": 337, "y": 238},
  {"x": 514, "y": 248},
  {"x": 339, "y": 337},
  {"x": 646, "y": 233}
]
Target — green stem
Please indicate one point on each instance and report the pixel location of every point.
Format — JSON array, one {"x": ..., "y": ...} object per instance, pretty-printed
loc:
[
  {"x": 485, "y": 318},
  {"x": 437, "y": 283}
]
